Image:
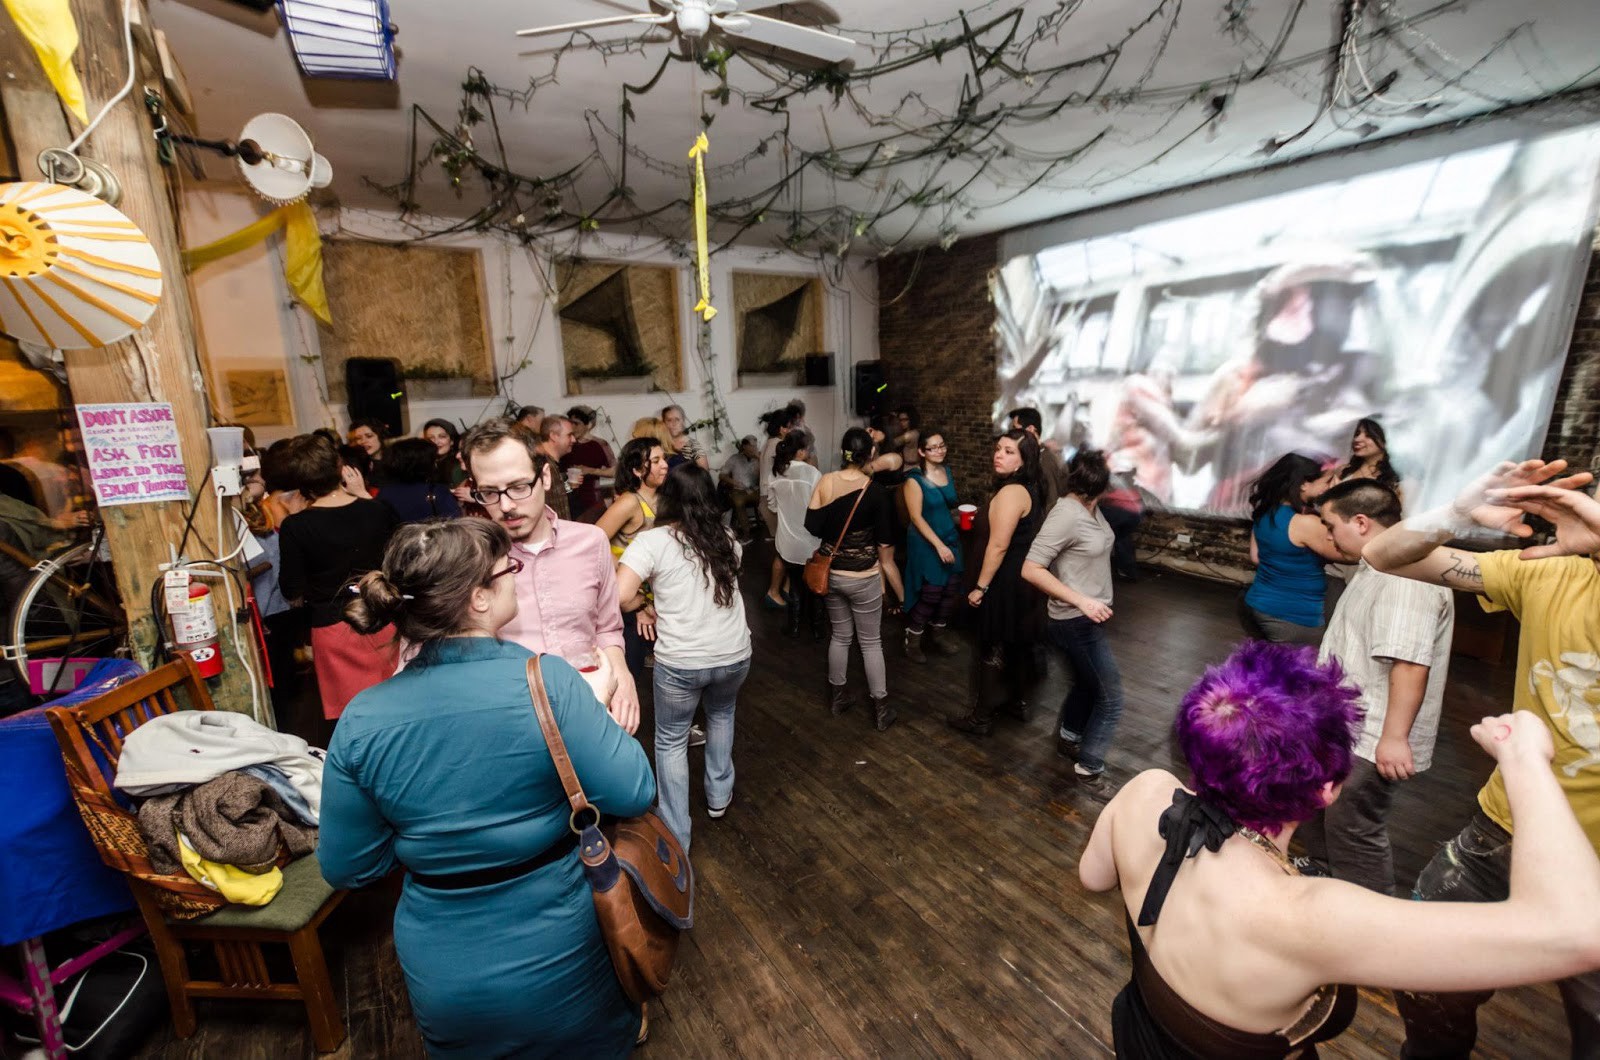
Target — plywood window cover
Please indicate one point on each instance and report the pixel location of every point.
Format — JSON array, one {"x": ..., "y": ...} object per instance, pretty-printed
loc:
[
  {"x": 640, "y": 305},
  {"x": 754, "y": 291},
  {"x": 391, "y": 302}
]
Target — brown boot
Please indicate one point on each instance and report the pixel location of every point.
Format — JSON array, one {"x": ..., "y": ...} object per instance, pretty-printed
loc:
[
  {"x": 839, "y": 699},
  {"x": 883, "y": 714},
  {"x": 914, "y": 647},
  {"x": 942, "y": 641},
  {"x": 976, "y": 722}
]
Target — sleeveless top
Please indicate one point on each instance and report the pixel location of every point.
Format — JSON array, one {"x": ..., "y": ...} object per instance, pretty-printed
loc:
[
  {"x": 938, "y": 511},
  {"x": 620, "y": 543},
  {"x": 1289, "y": 584},
  {"x": 1012, "y": 611},
  {"x": 1150, "y": 1021}
]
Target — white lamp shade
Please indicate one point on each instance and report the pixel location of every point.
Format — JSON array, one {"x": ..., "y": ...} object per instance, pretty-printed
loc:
[
  {"x": 74, "y": 271},
  {"x": 340, "y": 38}
]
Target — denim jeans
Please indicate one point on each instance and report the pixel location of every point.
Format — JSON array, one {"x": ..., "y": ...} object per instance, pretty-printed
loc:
[
  {"x": 1094, "y": 705},
  {"x": 1352, "y": 835},
  {"x": 677, "y": 693},
  {"x": 1475, "y": 866}
]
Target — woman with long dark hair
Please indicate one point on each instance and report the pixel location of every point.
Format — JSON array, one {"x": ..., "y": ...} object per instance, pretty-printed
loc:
[
  {"x": 441, "y": 771},
  {"x": 641, "y": 471},
  {"x": 933, "y": 549},
  {"x": 1288, "y": 546},
  {"x": 1369, "y": 456},
  {"x": 369, "y": 436},
  {"x": 446, "y": 442},
  {"x": 849, "y": 509},
  {"x": 1009, "y": 617},
  {"x": 1233, "y": 954},
  {"x": 691, "y": 562},
  {"x": 789, "y": 493}
]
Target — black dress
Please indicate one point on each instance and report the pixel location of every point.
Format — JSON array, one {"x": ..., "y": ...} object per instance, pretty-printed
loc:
[{"x": 1012, "y": 611}]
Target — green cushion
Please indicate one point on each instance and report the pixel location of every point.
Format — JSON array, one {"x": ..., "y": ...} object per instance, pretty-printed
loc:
[{"x": 304, "y": 892}]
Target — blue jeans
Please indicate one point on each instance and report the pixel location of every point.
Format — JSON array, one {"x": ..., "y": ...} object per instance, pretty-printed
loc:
[
  {"x": 677, "y": 693},
  {"x": 1094, "y": 705}
]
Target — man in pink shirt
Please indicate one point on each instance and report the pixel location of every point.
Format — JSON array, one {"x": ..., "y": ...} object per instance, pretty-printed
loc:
[{"x": 567, "y": 592}]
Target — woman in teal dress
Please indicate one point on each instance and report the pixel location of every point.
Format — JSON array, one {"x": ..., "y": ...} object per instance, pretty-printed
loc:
[
  {"x": 441, "y": 771},
  {"x": 933, "y": 550}
]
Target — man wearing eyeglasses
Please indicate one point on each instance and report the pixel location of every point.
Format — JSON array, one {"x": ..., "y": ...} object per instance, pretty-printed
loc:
[{"x": 567, "y": 602}]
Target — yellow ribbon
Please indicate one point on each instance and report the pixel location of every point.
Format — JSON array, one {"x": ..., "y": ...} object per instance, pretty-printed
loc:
[
  {"x": 48, "y": 26},
  {"x": 302, "y": 266},
  {"x": 703, "y": 253}
]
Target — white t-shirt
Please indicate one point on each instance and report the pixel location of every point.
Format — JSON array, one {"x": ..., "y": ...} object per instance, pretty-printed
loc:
[
  {"x": 692, "y": 632},
  {"x": 789, "y": 494}
]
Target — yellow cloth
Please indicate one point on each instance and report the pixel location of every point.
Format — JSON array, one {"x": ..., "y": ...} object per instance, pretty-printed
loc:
[
  {"x": 302, "y": 266},
  {"x": 1558, "y": 670},
  {"x": 48, "y": 26},
  {"x": 702, "y": 252},
  {"x": 230, "y": 881}
]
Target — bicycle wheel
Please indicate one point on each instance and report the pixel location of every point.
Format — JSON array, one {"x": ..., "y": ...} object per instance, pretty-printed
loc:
[{"x": 68, "y": 611}]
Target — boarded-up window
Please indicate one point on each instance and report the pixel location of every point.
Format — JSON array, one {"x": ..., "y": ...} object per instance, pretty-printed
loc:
[
  {"x": 619, "y": 327},
  {"x": 777, "y": 321}
]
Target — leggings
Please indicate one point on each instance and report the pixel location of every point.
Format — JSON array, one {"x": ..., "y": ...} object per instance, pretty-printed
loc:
[
  {"x": 855, "y": 610},
  {"x": 935, "y": 604}
]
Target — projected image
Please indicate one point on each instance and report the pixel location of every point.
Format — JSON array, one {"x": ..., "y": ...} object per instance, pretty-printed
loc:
[{"x": 1437, "y": 297}]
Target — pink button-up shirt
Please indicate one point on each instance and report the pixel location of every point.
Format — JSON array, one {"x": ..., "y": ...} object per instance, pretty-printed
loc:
[{"x": 567, "y": 601}]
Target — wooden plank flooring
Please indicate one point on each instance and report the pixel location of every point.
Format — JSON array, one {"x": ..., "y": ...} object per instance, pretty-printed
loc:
[{"x": 914, "y": 893}]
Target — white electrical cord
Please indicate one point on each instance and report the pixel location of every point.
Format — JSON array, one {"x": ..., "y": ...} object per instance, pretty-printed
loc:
[
  {"x": 127, "y": 86},
  {"x": 226, "y": 577}
]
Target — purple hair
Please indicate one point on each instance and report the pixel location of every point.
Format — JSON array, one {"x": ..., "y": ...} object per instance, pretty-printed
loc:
[{"x": 1264, "y": 732}]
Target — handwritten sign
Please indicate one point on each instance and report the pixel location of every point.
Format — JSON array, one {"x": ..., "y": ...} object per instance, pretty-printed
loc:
[{"x": 133, "y": 453}]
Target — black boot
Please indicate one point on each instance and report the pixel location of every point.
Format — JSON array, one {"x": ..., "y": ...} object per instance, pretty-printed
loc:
[
  {"x": 942, "y": 641},
  {"x": 791, "y": 625},
  {"x": 979, "y": 721},
  {"x": 883, "y": 714},
  {"x": 914, "y": 647},
  {"x": 839, "y": 699}
]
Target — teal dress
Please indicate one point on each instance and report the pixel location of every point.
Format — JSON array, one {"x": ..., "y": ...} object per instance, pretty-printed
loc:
[
  {"x": 442, "y": 769},
  {"x": 938, "y": 509}
]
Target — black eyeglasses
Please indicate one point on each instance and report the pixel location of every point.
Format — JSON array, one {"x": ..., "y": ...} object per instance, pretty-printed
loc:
[
  {"x": 517, "y": 491},
  {"x": 513, "y": 566}
]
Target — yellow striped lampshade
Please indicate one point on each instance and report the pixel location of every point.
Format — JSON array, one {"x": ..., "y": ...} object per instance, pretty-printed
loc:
[{"x": 74, "y": 271}]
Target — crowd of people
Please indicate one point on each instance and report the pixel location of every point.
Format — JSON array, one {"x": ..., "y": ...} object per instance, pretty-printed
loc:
[{"x": 428, "y": 570}]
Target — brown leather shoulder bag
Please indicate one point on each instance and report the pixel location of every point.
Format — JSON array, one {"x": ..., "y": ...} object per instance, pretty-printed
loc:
[
  {"x": 642, "y": 881},
  {"x": 821, "y": 562}
]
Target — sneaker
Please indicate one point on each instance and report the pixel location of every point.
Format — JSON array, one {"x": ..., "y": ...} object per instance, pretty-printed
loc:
[
  {"x": 715, "y": 812},
  {"x": 697, "y": 738}
]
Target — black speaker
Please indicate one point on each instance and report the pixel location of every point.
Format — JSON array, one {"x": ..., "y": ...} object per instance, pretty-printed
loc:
[
  {"x": 819, "y": 369},
  {"x": 871, "y": 392},
  {"x": 374, "y": 391}
]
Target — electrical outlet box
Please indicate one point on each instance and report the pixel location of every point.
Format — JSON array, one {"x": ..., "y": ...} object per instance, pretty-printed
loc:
[{"x": 1183, "y": 539}]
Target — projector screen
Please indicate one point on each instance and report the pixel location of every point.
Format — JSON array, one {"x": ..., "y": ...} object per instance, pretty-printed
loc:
[{"x": 1437, "y": 297}]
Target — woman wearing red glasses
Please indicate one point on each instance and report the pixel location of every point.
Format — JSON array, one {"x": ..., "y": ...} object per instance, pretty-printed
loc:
[{"x": 442, "y": 771}]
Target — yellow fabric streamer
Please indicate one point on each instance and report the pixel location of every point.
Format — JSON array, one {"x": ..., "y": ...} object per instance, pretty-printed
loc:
[
  {"x": 697, "y": 153},
  {"x": 49, "y": 27},
  {"x": 302, "y": 266}
]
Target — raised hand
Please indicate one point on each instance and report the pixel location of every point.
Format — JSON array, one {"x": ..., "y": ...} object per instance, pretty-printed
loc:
[
  {"x": 1520, "y": 735},
  {"x": 1576, "y": 516},
  {"x": 1484, "y": 500}
]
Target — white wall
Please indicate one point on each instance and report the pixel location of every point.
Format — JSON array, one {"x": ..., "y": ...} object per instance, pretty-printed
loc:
[{"x": 248, "y": 319}]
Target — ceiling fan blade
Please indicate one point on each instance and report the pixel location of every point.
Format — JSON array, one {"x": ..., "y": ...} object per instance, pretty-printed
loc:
[
  {"x": 775, "y": 33},
  {"x": 592, "y": 23}
]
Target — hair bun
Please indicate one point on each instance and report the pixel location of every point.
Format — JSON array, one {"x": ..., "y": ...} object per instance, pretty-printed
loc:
[{"x": 376, "y": 602}]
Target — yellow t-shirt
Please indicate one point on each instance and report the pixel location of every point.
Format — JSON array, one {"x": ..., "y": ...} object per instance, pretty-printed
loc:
[{"x": 1558, "y": 670}]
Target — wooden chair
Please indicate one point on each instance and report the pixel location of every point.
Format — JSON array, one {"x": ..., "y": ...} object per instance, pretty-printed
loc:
[{"x": 178, "y": 910}]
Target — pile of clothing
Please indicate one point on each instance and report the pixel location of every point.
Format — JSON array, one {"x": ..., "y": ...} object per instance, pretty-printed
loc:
[{"x": 221, "y": 795}]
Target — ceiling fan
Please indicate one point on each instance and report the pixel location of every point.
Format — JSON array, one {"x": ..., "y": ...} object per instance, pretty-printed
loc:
[{"x": 693, "y": 19}]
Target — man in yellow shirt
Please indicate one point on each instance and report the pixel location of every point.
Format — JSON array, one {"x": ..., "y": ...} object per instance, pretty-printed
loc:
[{"x": 1554, "y": 591}]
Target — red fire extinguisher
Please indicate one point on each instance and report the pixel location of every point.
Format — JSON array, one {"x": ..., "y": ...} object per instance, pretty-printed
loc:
[{"x": 195, "y": 631}]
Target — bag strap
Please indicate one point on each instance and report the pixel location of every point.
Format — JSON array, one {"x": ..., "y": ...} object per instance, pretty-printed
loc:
[
  {"x": 552, "y": 737},
  {"x": 845, "y": 529}
]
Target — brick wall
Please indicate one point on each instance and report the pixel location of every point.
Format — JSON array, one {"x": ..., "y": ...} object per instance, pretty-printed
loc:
[{"x": 935, "y": 337}]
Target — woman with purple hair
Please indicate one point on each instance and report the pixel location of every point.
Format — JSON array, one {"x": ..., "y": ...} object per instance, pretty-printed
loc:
[{"x": 1240, "y": 963}]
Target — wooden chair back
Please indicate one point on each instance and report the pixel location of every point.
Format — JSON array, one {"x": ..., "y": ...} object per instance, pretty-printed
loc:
[{"x": 91, "y": 735}]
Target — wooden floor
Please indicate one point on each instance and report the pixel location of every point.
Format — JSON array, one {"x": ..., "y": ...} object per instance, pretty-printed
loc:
[{"x": 914, "y": 893}]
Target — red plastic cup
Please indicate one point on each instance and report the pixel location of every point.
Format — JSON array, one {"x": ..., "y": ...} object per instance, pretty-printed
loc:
[{"x": 965, "y": 514}]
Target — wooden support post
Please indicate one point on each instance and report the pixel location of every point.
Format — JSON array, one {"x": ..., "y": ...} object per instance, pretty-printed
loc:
[{"x": 158, "y": 363}]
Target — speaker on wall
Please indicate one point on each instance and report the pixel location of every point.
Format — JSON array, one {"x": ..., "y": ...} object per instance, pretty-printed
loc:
[
  {"x": 871, "y": 392},
  {"x": 819, "y": 369},
  {"x": 374, "y": 391}
]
